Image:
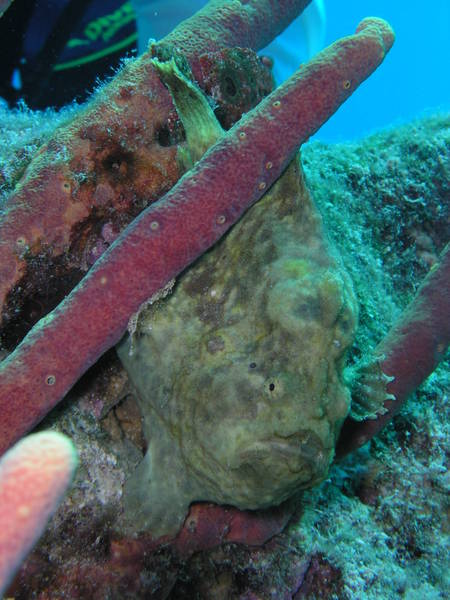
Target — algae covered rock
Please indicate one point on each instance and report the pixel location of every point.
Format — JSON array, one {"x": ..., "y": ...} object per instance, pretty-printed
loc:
[{"x": 239, "y": 371}]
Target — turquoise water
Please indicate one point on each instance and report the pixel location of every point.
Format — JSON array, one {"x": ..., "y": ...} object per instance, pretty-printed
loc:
[{"x": 413, "y": 79}]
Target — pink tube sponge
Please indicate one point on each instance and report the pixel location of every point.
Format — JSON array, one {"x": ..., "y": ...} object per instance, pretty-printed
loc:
[{"x": 34, "y": 475}]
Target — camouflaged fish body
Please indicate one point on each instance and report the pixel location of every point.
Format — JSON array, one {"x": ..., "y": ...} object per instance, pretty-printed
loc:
[{"x": 239, "y": 371}]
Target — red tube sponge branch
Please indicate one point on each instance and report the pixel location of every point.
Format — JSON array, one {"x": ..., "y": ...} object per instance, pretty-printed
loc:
[
  {"x": 227, "y": 24},
  {"x": 406, "y": 357},
  {"x": 174, "y": 231}
]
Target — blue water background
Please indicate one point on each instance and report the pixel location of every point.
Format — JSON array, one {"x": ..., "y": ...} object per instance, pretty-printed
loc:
[{"x": 415, "y": 76}]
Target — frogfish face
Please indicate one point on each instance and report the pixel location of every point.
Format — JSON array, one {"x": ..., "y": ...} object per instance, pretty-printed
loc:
[{"x": 257, "y": 438}]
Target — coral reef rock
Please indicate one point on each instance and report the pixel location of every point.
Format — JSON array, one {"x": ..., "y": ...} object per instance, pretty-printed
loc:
[{"x": 239, "y": 371}]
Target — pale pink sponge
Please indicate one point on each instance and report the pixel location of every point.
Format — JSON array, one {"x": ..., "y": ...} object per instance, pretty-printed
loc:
[{"x": 34, "y": 475}]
